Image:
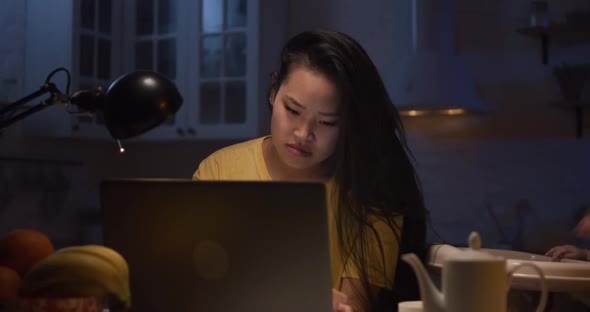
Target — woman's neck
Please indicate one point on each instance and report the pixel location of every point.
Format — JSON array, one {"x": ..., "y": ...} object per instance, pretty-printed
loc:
[{"x": 279, "y": 171}]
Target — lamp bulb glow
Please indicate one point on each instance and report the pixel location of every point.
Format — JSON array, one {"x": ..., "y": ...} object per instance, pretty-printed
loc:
[{"x": 121, "y": 148}]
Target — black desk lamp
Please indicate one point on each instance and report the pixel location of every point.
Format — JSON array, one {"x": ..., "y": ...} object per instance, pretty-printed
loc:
[{"x": 133, "y": 104}]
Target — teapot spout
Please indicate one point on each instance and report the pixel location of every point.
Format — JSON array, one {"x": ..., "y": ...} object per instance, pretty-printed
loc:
[{"x": 432, "y": 298}]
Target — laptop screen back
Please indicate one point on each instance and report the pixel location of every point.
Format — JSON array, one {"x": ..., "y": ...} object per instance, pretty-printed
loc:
[{"x": 220, "y": 246}]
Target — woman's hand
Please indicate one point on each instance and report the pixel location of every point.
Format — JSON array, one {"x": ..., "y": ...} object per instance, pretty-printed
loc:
[
  {"x": 569, "y": 252},
  {"x": 339, "y": 302}
]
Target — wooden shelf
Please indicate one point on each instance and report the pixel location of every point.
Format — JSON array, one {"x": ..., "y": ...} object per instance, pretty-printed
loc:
[
  {"x": 560, "y": 33},
  {"x": 575, "y": 30},
  {"x": 581, "y": 32}
]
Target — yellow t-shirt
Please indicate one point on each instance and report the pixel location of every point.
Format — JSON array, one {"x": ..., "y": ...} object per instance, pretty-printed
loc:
[{"x": 245, "y": 161}]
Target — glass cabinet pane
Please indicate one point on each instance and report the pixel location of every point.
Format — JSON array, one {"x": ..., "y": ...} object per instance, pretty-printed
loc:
[
  {"x": 87, "y": 14},
  {"x": 210, "y": 103},
  {"x": 104, "y": 16},
  {"x": 212, "y": 15},
  {"x": 144, "y": 55},
  {"x": 211, "y": 51},
  {"x": 235, "y": 55},
  {"x": 167, "y": 16},
  {"x": 144, "y": 17},
  {"x": 235, "y": 102},
  {"x": 167, "y": 58},
  {"x": 104, "y": 59},
  {"x": 236, "y": 13},
  {"x": 86, "y": 56}
]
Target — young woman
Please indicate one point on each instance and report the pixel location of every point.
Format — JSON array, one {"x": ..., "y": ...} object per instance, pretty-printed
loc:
[{"x": 333, "y": 121}]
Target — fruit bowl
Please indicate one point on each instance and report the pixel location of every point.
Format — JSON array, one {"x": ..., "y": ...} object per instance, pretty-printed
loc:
[
  {"x": 80, "y": 304},
  {"x": 36, "y": 277}
]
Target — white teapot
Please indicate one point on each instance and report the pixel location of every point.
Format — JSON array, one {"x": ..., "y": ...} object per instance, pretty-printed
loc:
[{"x": 472, "y": 280}]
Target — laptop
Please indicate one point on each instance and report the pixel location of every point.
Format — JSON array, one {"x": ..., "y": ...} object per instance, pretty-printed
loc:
[{"x": 220, "y": 246}]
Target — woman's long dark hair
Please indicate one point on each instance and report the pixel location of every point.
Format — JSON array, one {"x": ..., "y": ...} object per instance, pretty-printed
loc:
[{"x": 374, "y": 172}]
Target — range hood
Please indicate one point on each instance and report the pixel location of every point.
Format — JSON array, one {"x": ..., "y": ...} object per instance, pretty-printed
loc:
[{"x": 433, "y": 79}]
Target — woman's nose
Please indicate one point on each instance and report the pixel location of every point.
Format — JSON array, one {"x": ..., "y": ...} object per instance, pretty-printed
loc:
[{"x": 305, "y": 131}]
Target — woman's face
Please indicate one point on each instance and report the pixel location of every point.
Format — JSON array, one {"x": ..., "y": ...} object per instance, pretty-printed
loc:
[{"x": 305, "y": 119}]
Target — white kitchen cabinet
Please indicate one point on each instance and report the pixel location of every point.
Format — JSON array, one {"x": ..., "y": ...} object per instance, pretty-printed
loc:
[{"x": 209, "y": 48}]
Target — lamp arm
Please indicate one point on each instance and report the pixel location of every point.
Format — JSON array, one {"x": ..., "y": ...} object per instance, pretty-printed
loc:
[{"x": 55, "y": 97}]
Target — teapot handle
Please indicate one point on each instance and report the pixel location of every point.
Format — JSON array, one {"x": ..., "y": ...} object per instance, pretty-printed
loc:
[{"x": 543, "y": 300}]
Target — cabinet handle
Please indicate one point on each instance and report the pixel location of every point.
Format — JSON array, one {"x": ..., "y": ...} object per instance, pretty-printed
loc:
[
  {"x": 180, "y": 131},
  {"x": 191, "y": 131}
]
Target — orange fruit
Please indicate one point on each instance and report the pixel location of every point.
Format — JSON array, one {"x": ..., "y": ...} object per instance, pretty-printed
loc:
[
  {"x": 23, "y": 248},
  {"x": 9, "y": 283}
]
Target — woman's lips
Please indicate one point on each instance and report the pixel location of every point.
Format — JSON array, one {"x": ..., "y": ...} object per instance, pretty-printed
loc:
[{"x": 298, "y": 151}]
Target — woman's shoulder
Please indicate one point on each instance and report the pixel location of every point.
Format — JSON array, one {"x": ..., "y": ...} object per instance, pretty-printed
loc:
[{"x": 237, "y": 150}]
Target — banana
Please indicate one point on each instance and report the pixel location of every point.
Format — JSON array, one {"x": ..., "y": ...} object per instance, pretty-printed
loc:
[
  {"x": 105, "y": 253},
  {"x": 88, "y": 270}
]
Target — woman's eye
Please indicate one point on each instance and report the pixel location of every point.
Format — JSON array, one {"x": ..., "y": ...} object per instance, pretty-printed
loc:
[
  {"x": 329, "y": 123},
  {"x": 290, "y": 110}
]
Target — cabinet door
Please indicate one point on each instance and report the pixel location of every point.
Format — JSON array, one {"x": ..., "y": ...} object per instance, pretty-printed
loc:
[
  {"x": 215, "y": 51},
  {"x": 96, "y": 41},
  {"x": 223, "y": 86}
]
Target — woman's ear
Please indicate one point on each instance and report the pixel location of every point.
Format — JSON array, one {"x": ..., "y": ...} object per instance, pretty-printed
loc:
[
  {"x": 271, "y": 96},
  {"x": 273, "y": 89}
]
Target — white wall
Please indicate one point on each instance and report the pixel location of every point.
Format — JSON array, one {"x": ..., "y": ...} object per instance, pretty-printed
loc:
[
  {"x": 12, "y": 59},
  {"x": 46, "y": 49},
  {"x": 374, "y": 23},
  {"x": 12, "y": 31}
]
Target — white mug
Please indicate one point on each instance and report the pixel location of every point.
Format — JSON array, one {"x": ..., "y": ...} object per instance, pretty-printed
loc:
[{"x": 409, "y": 306}]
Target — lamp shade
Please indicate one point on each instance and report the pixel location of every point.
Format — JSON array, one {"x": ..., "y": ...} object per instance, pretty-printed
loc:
[{"x": 139, "y": 101}]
